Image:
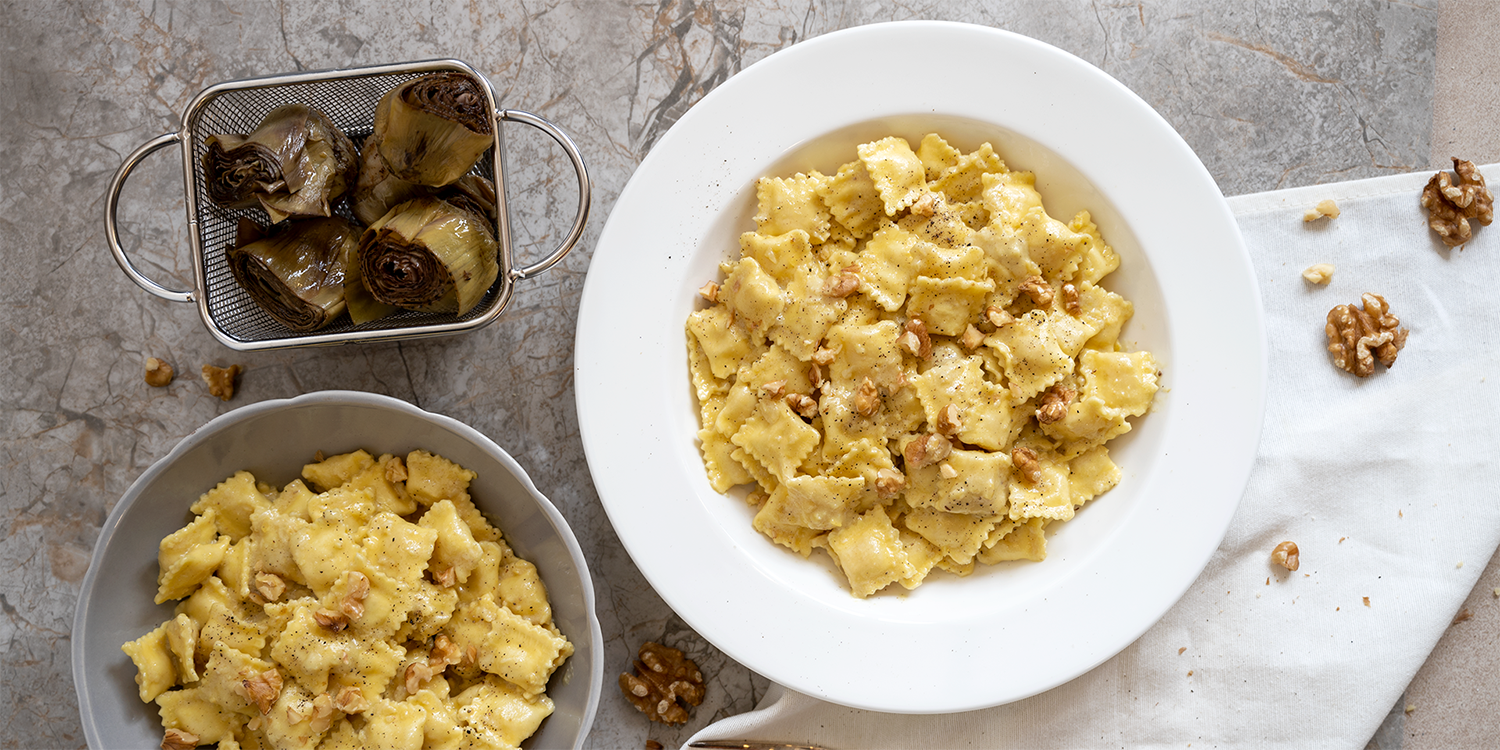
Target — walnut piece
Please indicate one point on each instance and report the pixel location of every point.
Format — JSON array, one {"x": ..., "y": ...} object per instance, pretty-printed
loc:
[
  {"x": 220, "y": 380},
  {"x": 998, "y": 317},
  {"x": 179, "y": 739},
  {"x": 1356, "y": 338},
  {"x": 1319, "y": 273},
  {"x": 330, "y": 620},
  {"x": 444, "y": 652},
  {"x": 395, "y": 470},
  {"x": 946, "y": 471},
  {"x": 824, "y": 356},
  {"x": 1285, "y": 555},
  {"x": 1025, "y": 461},
  {"x": 1070, "y": 300},
  {"x": 889, "y": 483},
  {"x": 926, "y": 450},
  {"x": 971, "y": 338},
  {"x": 866, "y": 399},
  {"x": 1055, "y": 403},
  {"x": 351, "y": 700},
  {"x": 158, "y": 372},
  {"x": 417, "y": 674},
  {"x": 665, "y": 684},
  {"x": 709, "y": 291},
  {"x": 949, "y": 421},
  {"x": 270, "y": 586},
  {"x": 322, "y": 713},
  {"x": 843, "y": 283},
  {"x": 1451, "y": 204},
  {"x": 1326, "y": 209},
  {"x": 1038, "y": 290},
  {"x": 927, "y": 205},
  {"x": 805, "y": 406},
  {"x": 353, "y": 604},
  {"x": 261, "y": 688},
  {"x": 916, "y": 341},
  {"x": 774, "y": 389}
]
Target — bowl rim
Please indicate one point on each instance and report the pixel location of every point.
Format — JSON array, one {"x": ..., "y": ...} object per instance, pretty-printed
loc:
[{"x": 229, "y": 420}]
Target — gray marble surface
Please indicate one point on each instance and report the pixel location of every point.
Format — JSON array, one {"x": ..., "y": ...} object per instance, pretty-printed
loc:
[{"x": 1269, "y": 93}]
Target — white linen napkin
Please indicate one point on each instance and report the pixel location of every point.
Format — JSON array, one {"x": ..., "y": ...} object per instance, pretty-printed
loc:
[{"x": 1388, "y": 485}]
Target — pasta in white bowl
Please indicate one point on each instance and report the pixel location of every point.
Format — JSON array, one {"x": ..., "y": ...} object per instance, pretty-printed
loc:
[{"x": 1111, "y": 571}]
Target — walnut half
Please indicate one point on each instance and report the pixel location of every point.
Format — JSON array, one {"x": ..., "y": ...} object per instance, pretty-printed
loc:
[
  {"x": 665, "y": 684},
  {"x": 220, "y": 380},
  {"x": 1356, "y": 338},
  {"x": 1452, "y": 203}
]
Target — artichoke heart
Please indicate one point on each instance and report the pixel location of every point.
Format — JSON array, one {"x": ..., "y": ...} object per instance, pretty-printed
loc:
[
  {"x": 294, "y": 164},
  {"x": 297, "y": 274},
  {"x": 432, "y": 129},
  {"x": 377, "y": 190},
  {"x": 428, "y": 255}
]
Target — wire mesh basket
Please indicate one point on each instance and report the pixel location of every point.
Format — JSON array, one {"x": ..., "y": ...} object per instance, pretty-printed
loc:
[{"x": 349, "y": 98}]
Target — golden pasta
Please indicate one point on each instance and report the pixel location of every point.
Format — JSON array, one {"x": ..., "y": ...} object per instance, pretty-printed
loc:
[
  {"x": 914, "y": 364},
  {"x": 367, "y": 604}
]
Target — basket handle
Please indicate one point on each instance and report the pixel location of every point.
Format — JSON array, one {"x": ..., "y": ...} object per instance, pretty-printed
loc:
[
  {"x": 111, "y": 227},
  {"x": 584, "y": 190}
]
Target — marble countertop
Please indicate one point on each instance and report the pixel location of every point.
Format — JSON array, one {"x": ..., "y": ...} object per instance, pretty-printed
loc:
[{"x": 1269, "y": 93}]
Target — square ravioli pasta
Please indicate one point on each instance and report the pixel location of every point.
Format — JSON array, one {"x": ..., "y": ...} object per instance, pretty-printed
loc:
[
  {"x": 367, "y": 604},
  {"x": 916, "y": 366}
]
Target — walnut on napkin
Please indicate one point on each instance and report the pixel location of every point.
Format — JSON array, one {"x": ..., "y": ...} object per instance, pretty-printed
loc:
[
  {"x": 1451, "y": 202},
  {"x": 1356, "y": 338},
  {"x": 664, "y": 685}
]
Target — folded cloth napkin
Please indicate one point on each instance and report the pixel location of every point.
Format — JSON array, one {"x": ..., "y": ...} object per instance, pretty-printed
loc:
[{"x": 1387, "y": 484}]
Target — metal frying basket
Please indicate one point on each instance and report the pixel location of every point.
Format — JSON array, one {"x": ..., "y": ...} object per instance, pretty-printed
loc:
[{"x": 348, "y": 97}]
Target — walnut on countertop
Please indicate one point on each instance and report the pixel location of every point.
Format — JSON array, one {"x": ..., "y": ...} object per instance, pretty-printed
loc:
[
  {"x": 1451, "y": 202},
  {"x": 1356, "y": 338},
  {"x": 220, "y": 380},
  {"x": 1326, "y": 208},
  {"x": 158, "y": 372},
  {"x": 1318, "y": 273},
  {"x": 665, "y": 684},
  {"x": 1285, "y": 555}
]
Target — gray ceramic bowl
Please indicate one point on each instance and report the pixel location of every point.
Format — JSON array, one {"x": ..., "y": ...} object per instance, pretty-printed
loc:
[{"x": 272, "y": 440}]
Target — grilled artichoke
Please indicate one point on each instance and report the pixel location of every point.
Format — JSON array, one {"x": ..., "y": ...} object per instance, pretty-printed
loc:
[
  {"x": 297, "y": 274},
  {"x": 428, "y": 255},
  {"x": 294, "y": 164},
  {"x": 431, "y": 130}
]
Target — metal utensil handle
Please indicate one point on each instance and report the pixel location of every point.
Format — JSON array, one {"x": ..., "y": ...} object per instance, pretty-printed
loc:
[
  {"x": 111, "y": 228},
  {"x": 584, "y": 190}
]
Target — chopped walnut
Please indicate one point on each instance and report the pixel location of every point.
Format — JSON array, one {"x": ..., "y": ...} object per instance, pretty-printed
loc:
[
  {"x": 261, "y": 688},
  {"x": 998, "y": 317},
  {"x": 220, "y": 380},
  {"x": 1025, "y": 461},
  {"x": 653, "y": 745},
  {"x": 351, "y": 700},
  {"x": 1451, "y": 205},
  {"x": 889, "y": 483},
  {"x": 1036, "y": 288},
  {"x": 158, "y": 372},
  {"x": 395, "y": 470},
  {"x": 927, "y": 205},
  {"x": 1464, "y": 615},
  {"x": 1319, "y": 273},
  {"x": 1070, "y": 300},
  {"x": 805, "y": 406},
  {"x": 843, "y": 283},
  {"x": 417, "y": 674},
  {"x": 946, "y": 471},
  {"x": 1285, "y": 555},
  {"x": 445, "y": 577},
  {"x": 971, "y": 339},
  {"x": 1356, "y": 338},
  {"x": 815, "y": 374},
  {"x": 774, "y": 389},
  {"x": 665, "y": 684},
  {"x": 1326, "y": 208},
  {"x": 926, "y": 450},
  {"x": 330, "y": 620},
  {"x": 1055, "y": 403},
  {"x": 949, "y": 420},
  {"x": 353, "y": 604},
  {"x": 709, "y": 291},
  {"x": 444, "y": 652},
  {"x": 179, "y": 739},
  {"x": 866, "y": 399},
  {"x": 322, "y": 713},
  {"x": 916, "y": 340},
  {"x": 824, "y": 356},
  {"x": 270, "y": 586}
]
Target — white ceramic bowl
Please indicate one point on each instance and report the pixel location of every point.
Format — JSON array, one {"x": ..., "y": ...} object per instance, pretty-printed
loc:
[
  {"x": 272, "y": 440},
  {"x": 1007, "y": 631}
]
